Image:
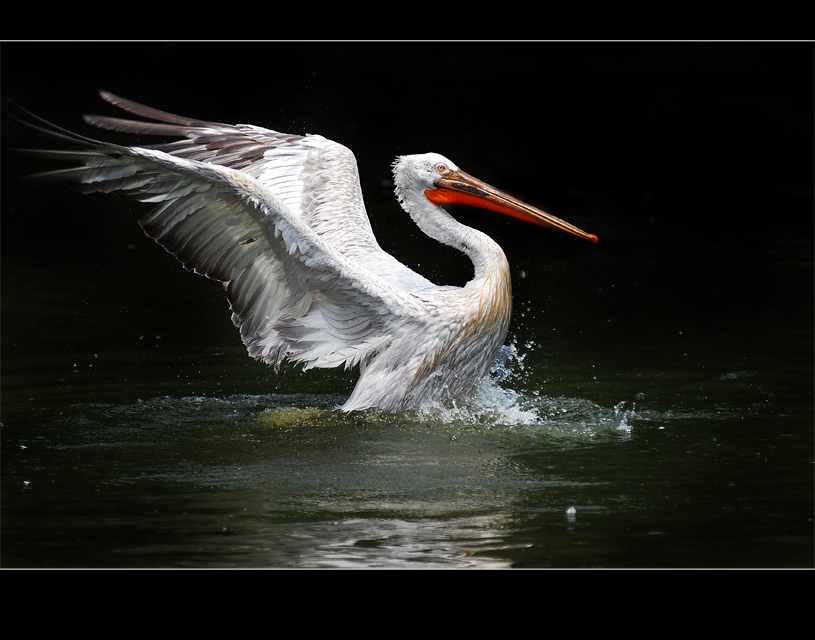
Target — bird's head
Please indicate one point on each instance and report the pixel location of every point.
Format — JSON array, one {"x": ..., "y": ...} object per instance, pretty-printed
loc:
[
  {"x": 419, "y": 172},
  {"x": 441, "y": 181}
]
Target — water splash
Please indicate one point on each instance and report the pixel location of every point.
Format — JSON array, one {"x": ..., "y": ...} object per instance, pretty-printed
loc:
[{"x": 496, "y": 406}]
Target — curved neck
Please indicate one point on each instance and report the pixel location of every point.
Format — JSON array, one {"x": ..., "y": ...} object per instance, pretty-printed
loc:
[{"x": 486, "y": 255}]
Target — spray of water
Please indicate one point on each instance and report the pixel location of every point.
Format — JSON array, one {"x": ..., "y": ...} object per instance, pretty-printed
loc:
[{"x": 497, "y": 405}]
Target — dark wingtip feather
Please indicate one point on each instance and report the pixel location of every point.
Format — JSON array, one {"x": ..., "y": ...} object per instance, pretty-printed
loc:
[
  {"x": 148, "y": 112},
  {"x": 32, "y": 121},
  {"x": 164, "y": 123},
  {"x": 136, "y": 126}
]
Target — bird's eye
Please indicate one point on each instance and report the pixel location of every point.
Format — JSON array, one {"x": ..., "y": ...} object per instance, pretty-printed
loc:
[{"x": 441, "y": 168}]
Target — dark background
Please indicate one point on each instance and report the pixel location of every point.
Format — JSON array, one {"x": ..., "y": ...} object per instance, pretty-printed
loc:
[
  {"x": 654, "y": 147},
  {"x": 557, "y": 121}
]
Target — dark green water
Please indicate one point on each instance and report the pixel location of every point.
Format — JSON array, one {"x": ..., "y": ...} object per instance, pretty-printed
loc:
[{"x": 658, "y": 414}]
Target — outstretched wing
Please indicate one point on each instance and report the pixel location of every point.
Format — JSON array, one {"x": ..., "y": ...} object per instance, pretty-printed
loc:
[
  {"x": 292, "y": 291},
  {"x": 315, "y": 178}
]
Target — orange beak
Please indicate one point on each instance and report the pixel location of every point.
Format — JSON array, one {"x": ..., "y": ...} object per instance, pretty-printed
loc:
[{"x": 460, "y": 187}]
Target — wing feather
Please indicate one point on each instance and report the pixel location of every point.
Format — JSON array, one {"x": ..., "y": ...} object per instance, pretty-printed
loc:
[
  {"x": 309, "y": 174},
  {"x": 266, "y": 232}
]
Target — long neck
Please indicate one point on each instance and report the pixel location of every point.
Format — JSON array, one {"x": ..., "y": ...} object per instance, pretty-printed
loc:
[
  {"x": 488, "y": 296},
  {"x": 488, "y": 258}
]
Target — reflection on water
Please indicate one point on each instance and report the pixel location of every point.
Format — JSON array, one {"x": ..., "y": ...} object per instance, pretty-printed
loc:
[
  {"x": 504, "y": 479},
  {"x": 276, "y": 481}
]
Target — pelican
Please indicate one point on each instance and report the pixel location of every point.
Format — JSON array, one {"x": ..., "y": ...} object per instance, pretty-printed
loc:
[{"x": 279, "y": 220}]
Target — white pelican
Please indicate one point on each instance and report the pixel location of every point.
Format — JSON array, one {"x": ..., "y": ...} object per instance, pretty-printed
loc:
[{"x": 280, "y": 221}]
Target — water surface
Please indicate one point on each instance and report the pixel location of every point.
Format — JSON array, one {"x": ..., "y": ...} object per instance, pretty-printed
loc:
[{"x": 657, "y": 413}]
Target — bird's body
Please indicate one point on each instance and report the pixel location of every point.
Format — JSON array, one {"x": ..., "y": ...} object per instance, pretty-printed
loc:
[{"x": 280, "y": 221}]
